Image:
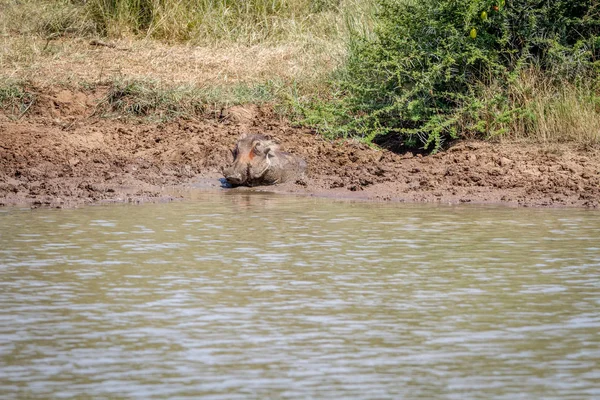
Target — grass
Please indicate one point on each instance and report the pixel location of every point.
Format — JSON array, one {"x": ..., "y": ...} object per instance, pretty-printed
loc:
[
  {"x": 199, "y": 22},
  {"x": 140, "y": 98},
  {"x": 206, "y": 22},
  {"x": 15, "y": 96},
  {"x": 546, "y": 111},
  {"x": 45, "y": 18},
  {"x": 230, "y": 51},
  {"x": 151, "y": 99}
]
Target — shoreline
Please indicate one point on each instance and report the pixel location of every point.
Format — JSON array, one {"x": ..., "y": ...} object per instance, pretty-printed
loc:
[{"x": 62, "y": 155}]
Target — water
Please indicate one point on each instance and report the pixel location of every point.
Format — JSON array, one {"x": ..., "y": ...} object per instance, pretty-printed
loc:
[{"x": 253, "y": 296}]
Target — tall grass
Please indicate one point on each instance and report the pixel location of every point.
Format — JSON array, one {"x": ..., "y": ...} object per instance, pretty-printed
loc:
[
  {"x": 45, "y": 18},
  {"x": 196, "y": 21},
  {"x": 209, "y": 21},
  {"x": 541, "y": 109}
]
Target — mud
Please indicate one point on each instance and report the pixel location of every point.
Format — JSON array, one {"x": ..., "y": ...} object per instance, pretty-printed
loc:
[{"x": 62, "y": 153}]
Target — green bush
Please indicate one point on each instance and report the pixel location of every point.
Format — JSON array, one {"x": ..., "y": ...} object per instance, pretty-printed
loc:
[{"x": 421, "y": 76}]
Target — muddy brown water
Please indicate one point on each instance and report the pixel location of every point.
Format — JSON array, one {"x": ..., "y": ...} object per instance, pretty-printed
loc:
[{"x": 238, "y": 296}]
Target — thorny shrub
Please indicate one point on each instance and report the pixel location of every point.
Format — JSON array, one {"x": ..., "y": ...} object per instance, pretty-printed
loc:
[{"x": 422, "y": 76}]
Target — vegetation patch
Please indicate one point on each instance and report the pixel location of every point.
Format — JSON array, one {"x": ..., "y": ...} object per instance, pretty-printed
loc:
[
  {"x": 146, "y": 99},
  {"x": 152, "y": 99},
  {"x": 47, "y": 19},
  {"x": 16, "y": 97},
  {"x": 197, "y": 21},
  {"x": 399, "y": 73},
  {"x": 203, "y": 21},
  {"x": 435, "y": 70}
]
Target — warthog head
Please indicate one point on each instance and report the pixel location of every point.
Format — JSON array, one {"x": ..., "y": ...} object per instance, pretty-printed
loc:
[{"x": 258, "y": 161}]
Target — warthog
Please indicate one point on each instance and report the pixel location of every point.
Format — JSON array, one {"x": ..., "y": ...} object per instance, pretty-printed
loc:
[{"x": 258, "y": 161}]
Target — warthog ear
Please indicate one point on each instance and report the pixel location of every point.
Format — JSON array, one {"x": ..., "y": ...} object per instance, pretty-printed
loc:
[{"x": 243, "y": 136}]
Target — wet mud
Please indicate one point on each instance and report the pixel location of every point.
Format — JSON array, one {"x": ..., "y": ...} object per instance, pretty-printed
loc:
[{"x": 63, "y": 153}]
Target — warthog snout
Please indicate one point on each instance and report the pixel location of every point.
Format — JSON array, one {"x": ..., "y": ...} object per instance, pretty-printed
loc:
[
  {"x": 258, "y": 161},
  {"x": 233, "y": 177}
]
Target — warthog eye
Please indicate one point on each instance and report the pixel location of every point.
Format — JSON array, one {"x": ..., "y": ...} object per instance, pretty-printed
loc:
[{"x": 234, "y": 153}]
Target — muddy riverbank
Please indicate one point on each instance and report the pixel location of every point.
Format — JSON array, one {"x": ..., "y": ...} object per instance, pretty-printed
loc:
[{"x": 61, "y": 153}]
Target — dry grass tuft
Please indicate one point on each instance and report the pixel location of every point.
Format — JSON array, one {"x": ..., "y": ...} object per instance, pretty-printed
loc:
[
  {"x": 558, "y": 112},
  {"x": 45, "y": 19},
  {"x": 547, "y": 111}
]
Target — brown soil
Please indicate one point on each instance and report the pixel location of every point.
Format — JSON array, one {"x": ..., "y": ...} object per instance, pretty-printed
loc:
[{"x": 61, "y": 153}]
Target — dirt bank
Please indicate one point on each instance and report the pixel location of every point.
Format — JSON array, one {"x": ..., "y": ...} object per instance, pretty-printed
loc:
[{"x": 61, "y": 153}]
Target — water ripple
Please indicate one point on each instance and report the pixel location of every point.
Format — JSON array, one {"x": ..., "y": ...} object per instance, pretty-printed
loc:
[{"x": 237, "y": 297}]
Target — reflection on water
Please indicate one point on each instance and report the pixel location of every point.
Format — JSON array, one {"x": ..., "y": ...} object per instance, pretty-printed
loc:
[{"x": 257, "y": 296}]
